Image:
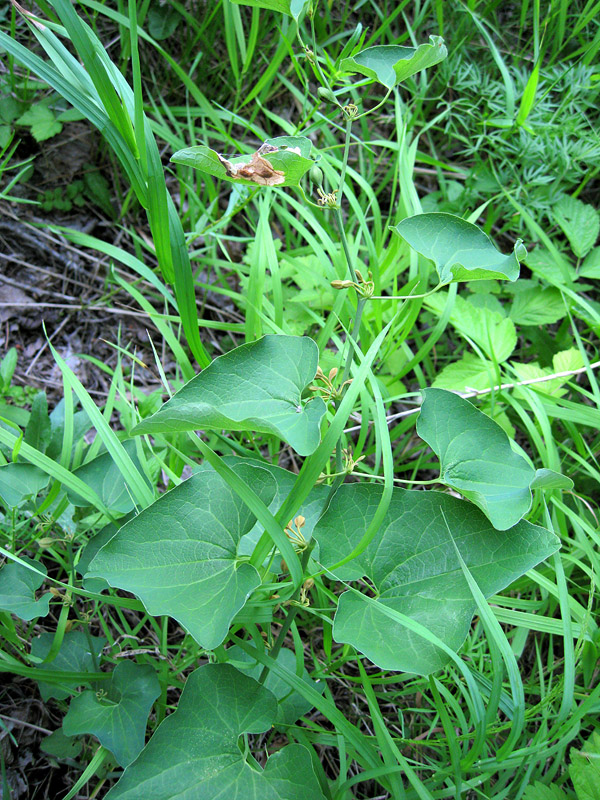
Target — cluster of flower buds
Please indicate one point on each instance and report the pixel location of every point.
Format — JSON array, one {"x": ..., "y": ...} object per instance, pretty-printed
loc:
[
  {"x": 365, "y": 288},
  {"x": 328, "y": 391}
]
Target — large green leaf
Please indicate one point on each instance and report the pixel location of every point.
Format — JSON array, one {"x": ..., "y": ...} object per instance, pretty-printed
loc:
[
  {"x": 105, "y": 478},
  {"x": 17, "y": 590},
  {"x": 390, "y": 64},
  {"x": 74, "y": 656},
  {"x": 585, "y": 768},
  {"x": 180, "y": 555},
  {"x": 119, "y": 719},
  {"x": 293, "y": 165},
  {"x": 460, "y": 250},
  {"x": 19, "y": 481},
  {"x": 291, "y": 705},
  {"x": 194, "y": 754},
  {"x": 413, "y": 565},
  {"x": 284, "y": 479},
  {"x": 476, "y": 457},
  {"x": 258, "y": 387}
]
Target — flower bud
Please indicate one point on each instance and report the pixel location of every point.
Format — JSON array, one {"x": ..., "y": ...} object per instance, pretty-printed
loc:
[
  {"x": 327, "y": 94},
  {"x": 316, "y": 175}
]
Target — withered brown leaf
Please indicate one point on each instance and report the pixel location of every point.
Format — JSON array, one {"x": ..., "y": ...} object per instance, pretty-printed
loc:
[{"x": 258, "y": 169}]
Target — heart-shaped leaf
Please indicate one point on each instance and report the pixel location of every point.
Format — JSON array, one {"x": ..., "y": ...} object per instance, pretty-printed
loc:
[
  {"x": 287, "y": 162},
  {"x": 258, "y": 387},
  {"x": 180, "y": 555},
  {"x": 390, "y": 64},
  {"x": 284, "y": 479},
  {"x": 476, "y": 457},
  {"x": 19, "y": 481},
  {"x": 195, "y": 753},
  {"x": 119, "y": 719},
  {"x": 74, "y": 656},
  {"x": 60, "y": 746},
  {"x": 290, "y": 704},
  {"x": 414, "y": 568},
  {"x": 17, "y": 590},
  {"x": 106, "y": 479},
  {"x": 460, "y": 250}
]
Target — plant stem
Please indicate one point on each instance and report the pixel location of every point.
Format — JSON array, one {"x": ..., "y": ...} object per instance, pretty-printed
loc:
[{"x": 287, "y": 623}]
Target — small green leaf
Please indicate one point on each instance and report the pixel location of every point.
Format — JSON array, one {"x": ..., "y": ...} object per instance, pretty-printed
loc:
[
  {"x": 565, "y": 361},
  {"x": 469, "y": 372},
  {"x": 476, "y": 457},
  {"x": 390, "y": 64},
  {"x": 549, "y": 479},
  {"x": 74, "y": 656},
  {"x": 538, "y": 791},
  {"x": 494, "y": 334},
  {"x": 61, "y": 746},
  {"x": 413, "y": 566},
  {"x": 591, "y": 266},
  {"x": 105, "y": 478},
  {"x": 460, "y": 250},
  {"x": 119, "y": 720},
  {"x": 585, "y": 768},
  {"x": 580, "y": 223},
  {"x": 180, "y": 555},
  {"x": 538, "y": 306},
  {"x": 258, "y": 387},
  {"x": 20, "y": 481},
  {"x": 41, "y": 121},
  {"x": 195, "y": 753},
  {"x": 163, "y": 20},
  {"x": 17, "y": 590},
  {"x": 293, "y": 165},
  {"x": 38, "y": 430}
]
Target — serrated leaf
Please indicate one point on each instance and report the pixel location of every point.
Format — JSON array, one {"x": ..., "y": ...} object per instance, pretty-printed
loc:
[
  {"x": 118, "y": 720},
  {"x": 41, "y": 121},
  {"x": 460, "y": 250},
  {"x": 538, "y": 306},
  {"x": 195, "y": 754},
  {"x": 74, "y": 656},
  {"x": 538, "y": 791},
  {"x": 469, "y": 372},
  {"x": 585, "y": 768},
  {"x": 494, "y": 334},
  {"x": 580, "y": 223},
  {"x": 180, "y": 555},
  {"x": 390, "y": 64},
  {"x": 258, "y": 387},
  {"x": 591, "y": 266},
  {"x": 20, "y": 481},
  {"x": 412, "y": 564},
  {"x": 293, "y": 165},
  {"x": 476, "y": 457},
  {"x": 106, "y": 479},
  {"x": 17, "y": 590},
  {"x": 565, "y": 361}
]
